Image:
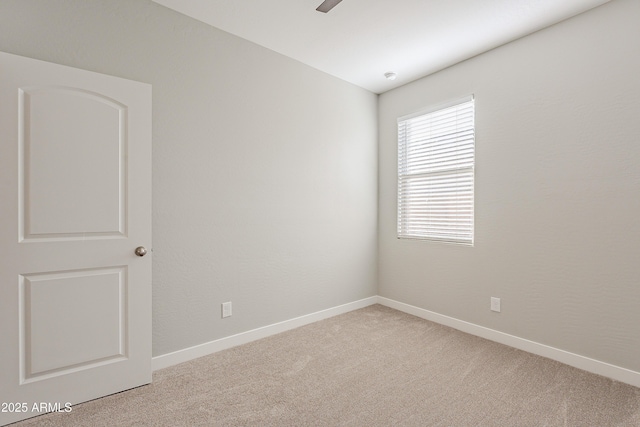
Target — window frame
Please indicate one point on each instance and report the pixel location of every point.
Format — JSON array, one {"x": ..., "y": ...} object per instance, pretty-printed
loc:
[{"x": 461, "y": 175}]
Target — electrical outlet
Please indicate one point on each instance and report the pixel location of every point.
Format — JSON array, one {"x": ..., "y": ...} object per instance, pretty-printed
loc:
[
  {"x": 226, "y": 309},
  {"x": 495, "y": 304}
]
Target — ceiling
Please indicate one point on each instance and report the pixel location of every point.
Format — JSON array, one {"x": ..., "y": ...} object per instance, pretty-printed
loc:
[{"x": 360, "y": 40}]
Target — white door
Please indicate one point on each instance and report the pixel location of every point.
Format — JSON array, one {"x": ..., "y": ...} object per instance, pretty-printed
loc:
[{"x": 75, "y": 203}]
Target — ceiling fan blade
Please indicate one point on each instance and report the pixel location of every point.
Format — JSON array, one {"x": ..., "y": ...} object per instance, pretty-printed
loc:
[{"x": 327, "y": 5}]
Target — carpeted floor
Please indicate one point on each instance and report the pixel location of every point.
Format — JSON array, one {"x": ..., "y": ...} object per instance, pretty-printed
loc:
[{"x": 370, "y": 367}]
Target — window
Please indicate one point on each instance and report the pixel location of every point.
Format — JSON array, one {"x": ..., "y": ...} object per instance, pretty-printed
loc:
[{"x": 436, "y": 157}]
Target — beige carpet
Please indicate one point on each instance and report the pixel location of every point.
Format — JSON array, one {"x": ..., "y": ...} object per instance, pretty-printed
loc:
[{"x": 371, "y": 367}]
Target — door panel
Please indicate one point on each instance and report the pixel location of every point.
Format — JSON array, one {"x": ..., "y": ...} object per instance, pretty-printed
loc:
[
  {"x": 73, "y": 144},
  {"x": 75, "y": 186},
  {"x": 72, "y": 320}
]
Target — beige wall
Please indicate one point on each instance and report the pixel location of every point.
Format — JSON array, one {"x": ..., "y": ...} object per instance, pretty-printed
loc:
[
  {"x": 557, "y": 190},
  {"x": 264, "y": 169}
]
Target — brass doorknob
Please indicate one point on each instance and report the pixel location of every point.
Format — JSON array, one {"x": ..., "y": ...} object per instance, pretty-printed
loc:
[{"x": 141, "y": 251}]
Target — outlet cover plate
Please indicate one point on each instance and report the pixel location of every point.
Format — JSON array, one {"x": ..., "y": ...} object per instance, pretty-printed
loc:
[
  {"x": 226, "y": 309},
  {"x": 495, "y": 304}
]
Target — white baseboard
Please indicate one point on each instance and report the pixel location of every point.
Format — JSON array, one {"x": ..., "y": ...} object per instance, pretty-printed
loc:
[
  {"x": 581, "y": 362},
  {"x": 180, "y": 356}
]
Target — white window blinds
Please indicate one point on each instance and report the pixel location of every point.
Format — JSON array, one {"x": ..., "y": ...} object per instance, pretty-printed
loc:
[{"x": 436, "y": 156}]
